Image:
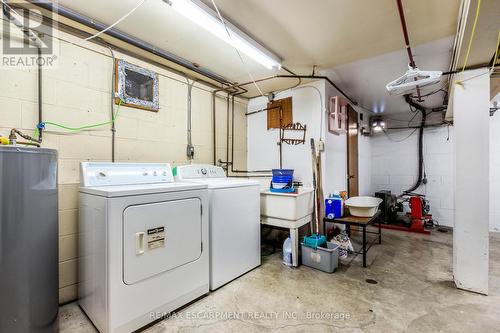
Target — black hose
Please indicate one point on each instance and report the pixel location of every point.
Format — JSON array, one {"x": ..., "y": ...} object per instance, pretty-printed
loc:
[{"x": 420, "y": 145}]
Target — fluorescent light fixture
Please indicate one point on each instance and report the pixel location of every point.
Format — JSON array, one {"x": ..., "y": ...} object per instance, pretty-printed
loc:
[{"x": 206, "y": 18}]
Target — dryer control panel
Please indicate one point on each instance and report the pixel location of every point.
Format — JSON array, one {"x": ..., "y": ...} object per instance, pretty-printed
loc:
[
  {"x": 199, "y": 171},
  {"x": 103, "y": 173}
]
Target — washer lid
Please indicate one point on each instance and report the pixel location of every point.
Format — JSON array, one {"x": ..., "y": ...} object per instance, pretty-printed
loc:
[
  {"x": 140, "y": 189},
  {"x": 214, "y": 183}
]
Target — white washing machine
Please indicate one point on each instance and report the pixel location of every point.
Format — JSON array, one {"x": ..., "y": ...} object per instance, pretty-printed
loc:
[
  {"x": 234, "y": 221},
  {"x": 143, "y": 244}
]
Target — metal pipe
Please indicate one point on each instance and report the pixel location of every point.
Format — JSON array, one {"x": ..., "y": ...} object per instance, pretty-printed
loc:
[
  {"x": 233, "y": 170},
  {"x": 28, "y": 143},
  {"x": 40, "y": 94},
  {"x": 232, "y": 135},
  {"x": 112, "y": 107},
  {"x": 190, "y": 147},
  {"x": 407, "y": 40},
  {"x": 37, "y": 41},
  {"x": 286, "y": 76},
  {"x": 280, "y": 135},
  {"x": 214, "y": 116},
  {"x": 91, "y": 23},
  {"x": 239, "y": 86},
  {"x": 353, "y": 102},
  {"x": 227, "y": 132},
  {"x": 405, "y": 33},
  {"x": 214, "y": 138}
]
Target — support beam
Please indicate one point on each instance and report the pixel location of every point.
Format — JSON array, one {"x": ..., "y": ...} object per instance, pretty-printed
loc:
[{"x": 471, "y": 228}]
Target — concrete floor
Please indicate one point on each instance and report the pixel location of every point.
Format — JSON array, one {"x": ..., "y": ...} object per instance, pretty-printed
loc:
[{"x": 414, "y": 293}]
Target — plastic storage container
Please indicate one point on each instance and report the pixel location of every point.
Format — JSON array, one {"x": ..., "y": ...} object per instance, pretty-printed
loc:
[
  {"x": 324, "y": 259},
  {"x": 334, "y": 207}
]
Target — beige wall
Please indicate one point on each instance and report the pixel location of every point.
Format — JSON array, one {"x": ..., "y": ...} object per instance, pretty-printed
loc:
[{"x": 76, "y": 93}]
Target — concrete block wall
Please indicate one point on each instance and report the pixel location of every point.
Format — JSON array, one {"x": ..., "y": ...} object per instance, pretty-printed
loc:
[
  {"x": 395, "y": 168},
  {"x": 77, "y": 92}
]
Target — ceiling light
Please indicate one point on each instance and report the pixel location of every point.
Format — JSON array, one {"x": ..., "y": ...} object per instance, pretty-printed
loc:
[
  {"x": 206, "y": 18},
  {"x": 378, "y": 125}
]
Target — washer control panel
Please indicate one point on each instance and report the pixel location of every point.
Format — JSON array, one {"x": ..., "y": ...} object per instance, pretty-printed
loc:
[
  {"x": 103, "y": 173},
  {"x": 199, "y": 171}
]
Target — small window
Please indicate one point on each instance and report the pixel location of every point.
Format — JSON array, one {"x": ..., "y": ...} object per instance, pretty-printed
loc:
[
  {"x": 279, "y": 113},
  {"x": 136, "y": 86}
]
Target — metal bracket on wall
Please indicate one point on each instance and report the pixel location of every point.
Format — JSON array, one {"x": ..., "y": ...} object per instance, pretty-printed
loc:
[{"x": 295, "y": 127}]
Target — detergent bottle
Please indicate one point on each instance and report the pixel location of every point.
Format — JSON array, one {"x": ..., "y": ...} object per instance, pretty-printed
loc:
[{"x": 287, "y": 252}]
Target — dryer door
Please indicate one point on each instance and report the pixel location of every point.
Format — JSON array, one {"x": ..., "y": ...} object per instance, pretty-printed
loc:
[{"x": 161, "y": 236}]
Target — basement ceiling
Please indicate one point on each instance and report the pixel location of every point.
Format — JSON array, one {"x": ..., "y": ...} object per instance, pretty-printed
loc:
[
  {"x": 327, "y": 34},
  {"x": 365, "y": 80}
]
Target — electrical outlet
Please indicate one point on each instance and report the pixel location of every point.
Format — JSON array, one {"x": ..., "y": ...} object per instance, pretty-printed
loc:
[
  {"x": 190, "y": 151},
  {"x": 321, "y": 146}
]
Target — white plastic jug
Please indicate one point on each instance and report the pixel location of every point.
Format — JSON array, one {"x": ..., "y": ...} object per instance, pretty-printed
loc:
[{"x": 287, "y": 252}]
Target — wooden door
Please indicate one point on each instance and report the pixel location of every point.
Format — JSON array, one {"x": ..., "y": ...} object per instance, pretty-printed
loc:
[{"x": 352, "y": 153}]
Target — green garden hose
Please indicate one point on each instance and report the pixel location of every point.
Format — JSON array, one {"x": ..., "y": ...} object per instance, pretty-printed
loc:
[{"x": 78, "y": 129}]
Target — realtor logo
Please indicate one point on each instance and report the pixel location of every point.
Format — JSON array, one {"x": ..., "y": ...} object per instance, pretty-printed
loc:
[{"x": 28, "y": 35}]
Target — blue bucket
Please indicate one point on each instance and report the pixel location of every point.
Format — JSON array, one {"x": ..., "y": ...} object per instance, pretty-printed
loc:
[{"x": 283, "y": 172}]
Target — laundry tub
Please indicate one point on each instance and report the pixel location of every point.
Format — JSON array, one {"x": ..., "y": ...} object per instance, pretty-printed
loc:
[
  {"x": 363, "y": 206},
  {"x": 288, "y": 206}
]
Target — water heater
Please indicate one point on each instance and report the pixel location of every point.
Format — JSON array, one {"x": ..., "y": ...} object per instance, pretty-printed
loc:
[{"x": 28, "y": 240}]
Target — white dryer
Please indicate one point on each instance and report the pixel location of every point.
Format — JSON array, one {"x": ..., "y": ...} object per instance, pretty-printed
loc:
[
  {"x": 143, "y": 244},
  {"x": 234, "y": 221}
]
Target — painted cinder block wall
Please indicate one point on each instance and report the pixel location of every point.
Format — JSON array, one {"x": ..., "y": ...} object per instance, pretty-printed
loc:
[
  {"x": 77, "y": 92},
  {"x": 394, "y": 167}
]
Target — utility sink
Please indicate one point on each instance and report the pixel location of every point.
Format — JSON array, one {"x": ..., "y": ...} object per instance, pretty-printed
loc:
[{"x": 288, "y": 206}]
